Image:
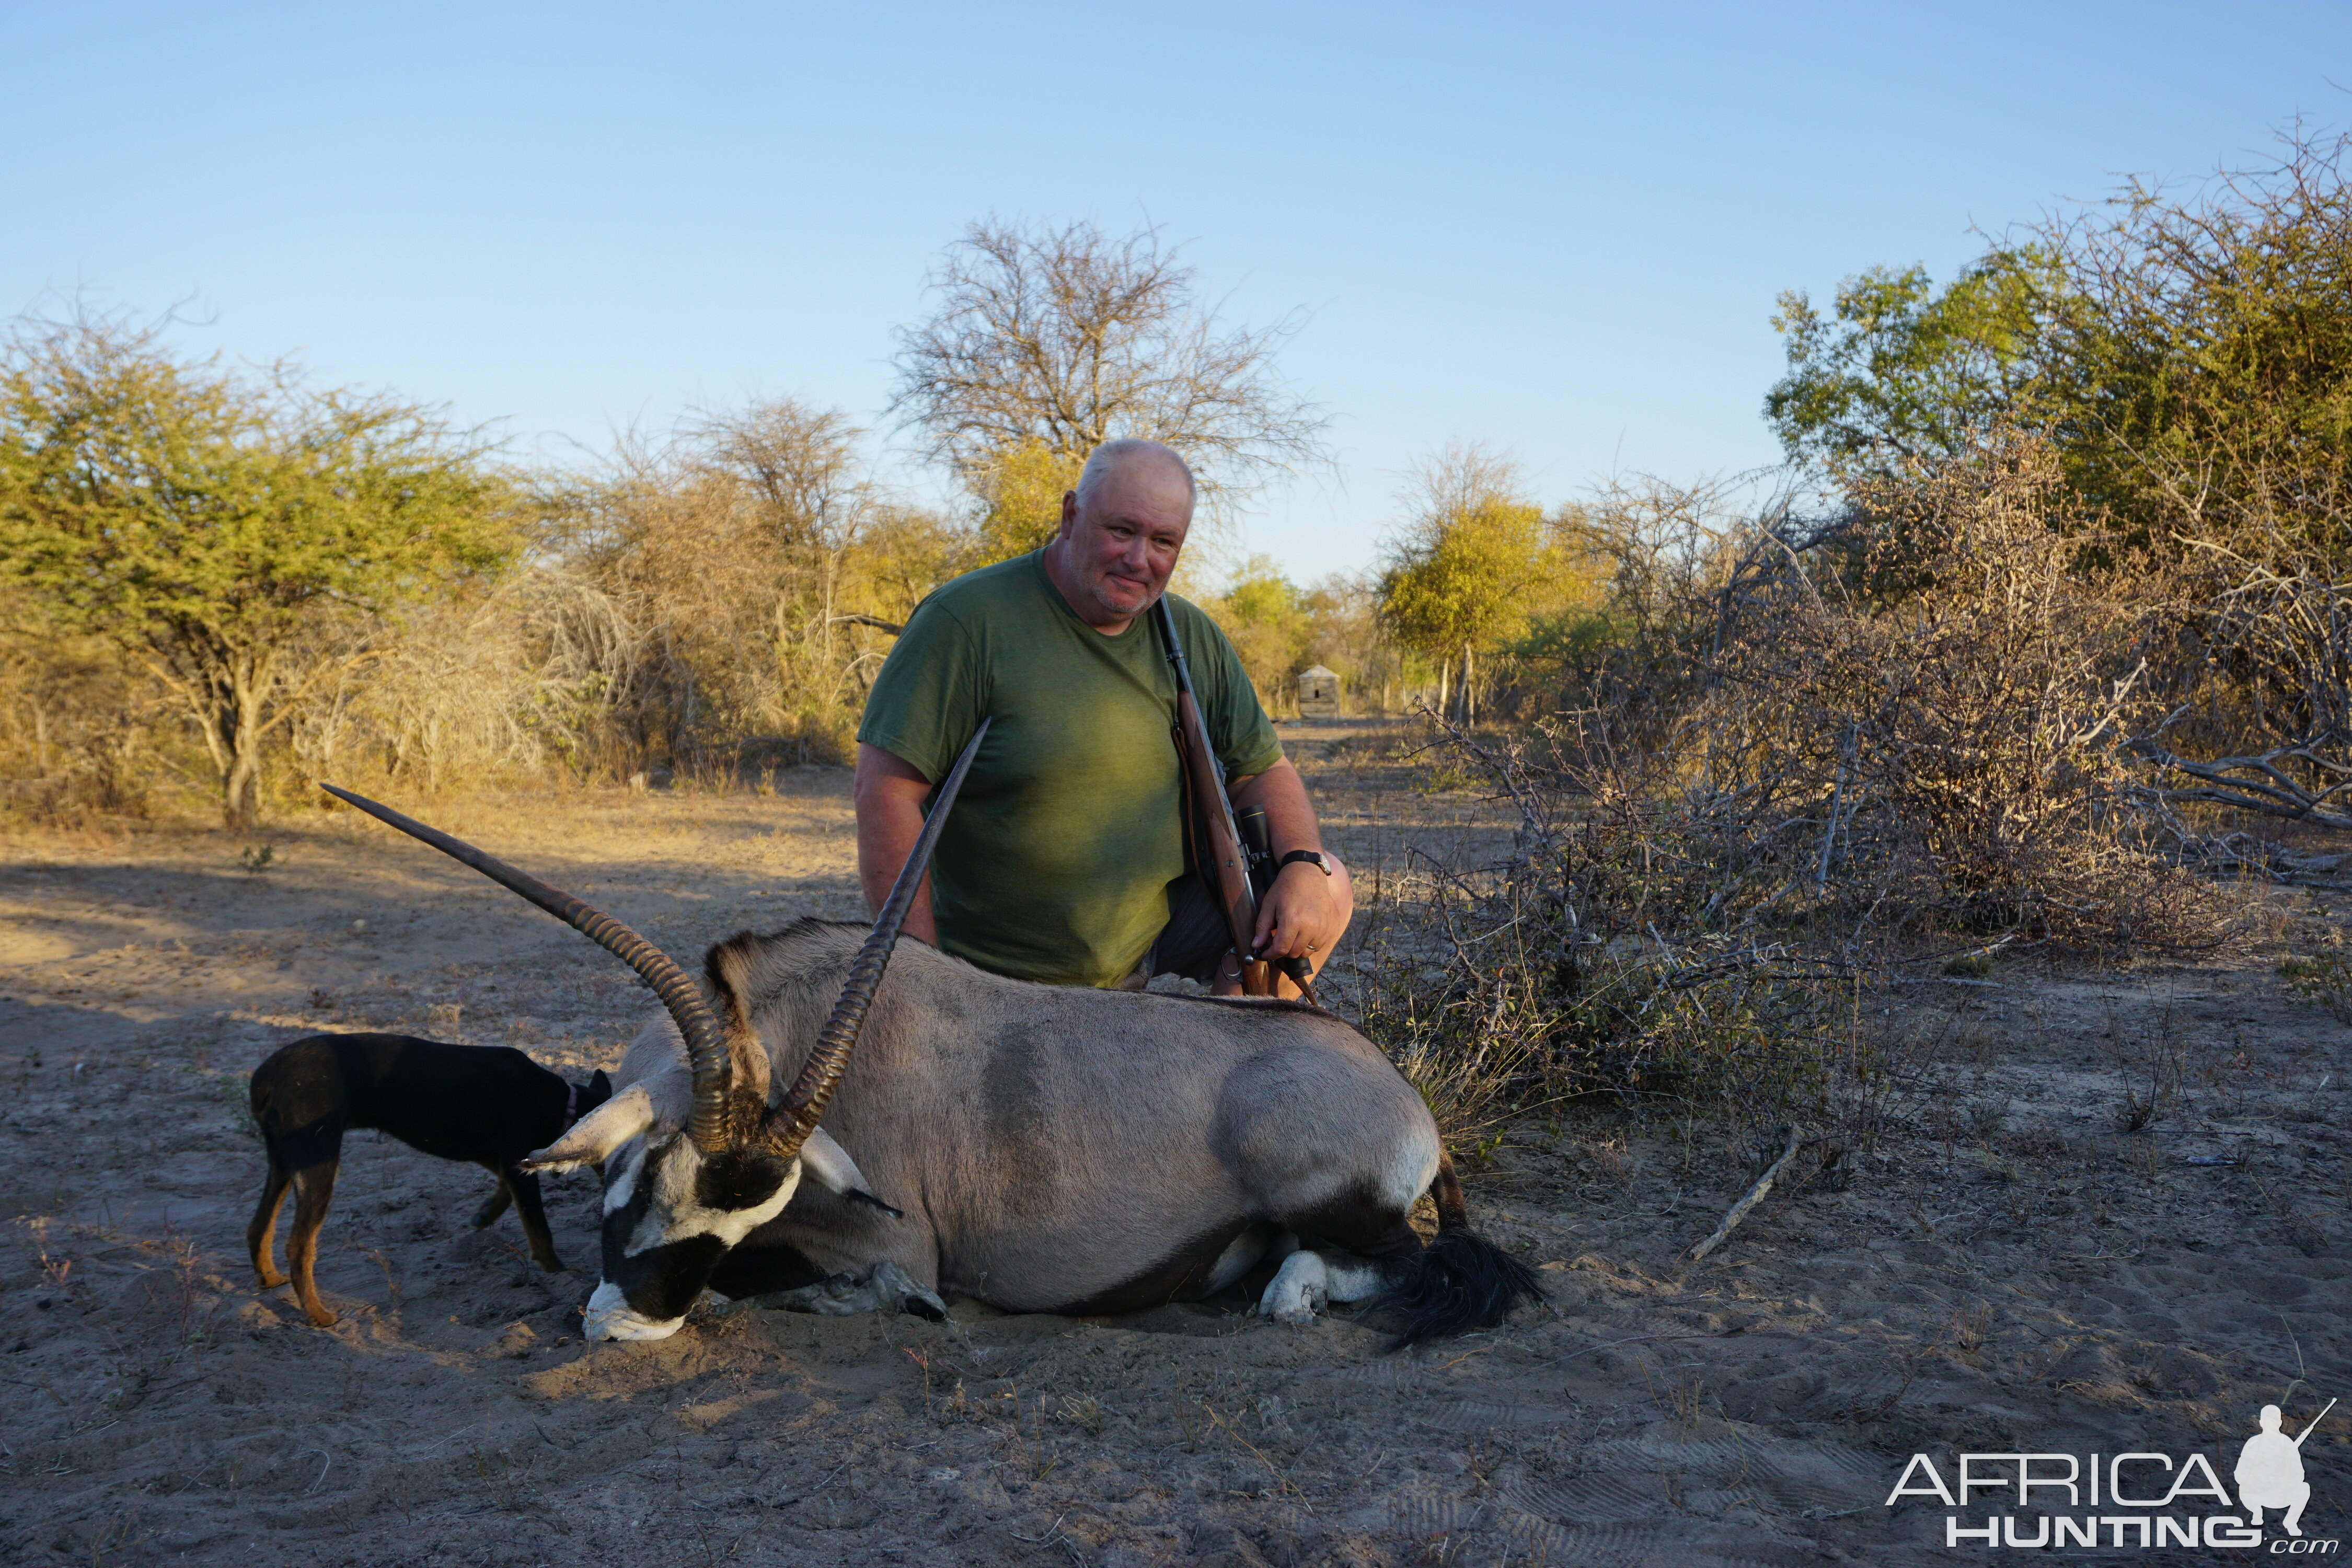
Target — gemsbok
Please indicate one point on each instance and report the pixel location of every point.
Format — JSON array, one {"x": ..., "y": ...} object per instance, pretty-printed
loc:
[{"x": 1043, "y": 1149}]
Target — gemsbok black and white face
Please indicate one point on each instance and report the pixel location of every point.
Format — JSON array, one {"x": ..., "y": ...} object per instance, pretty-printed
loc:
[
  {"x": 672, "y": 1212},
  {"x": 682, "y": 1191}
]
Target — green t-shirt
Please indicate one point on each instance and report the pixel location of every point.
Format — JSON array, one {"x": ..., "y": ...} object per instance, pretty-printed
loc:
[{"x": 1057, "y": 864}]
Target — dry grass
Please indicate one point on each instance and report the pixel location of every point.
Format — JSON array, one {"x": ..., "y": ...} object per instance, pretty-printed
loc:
[{"x": 2324, "y": 977}]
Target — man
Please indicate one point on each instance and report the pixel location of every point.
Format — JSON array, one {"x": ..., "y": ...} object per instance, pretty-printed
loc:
[{"x": 1065, "y": 861}]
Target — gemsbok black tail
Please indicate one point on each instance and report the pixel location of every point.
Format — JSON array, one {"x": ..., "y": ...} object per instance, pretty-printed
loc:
[{"x": 1460, "y": 1281}]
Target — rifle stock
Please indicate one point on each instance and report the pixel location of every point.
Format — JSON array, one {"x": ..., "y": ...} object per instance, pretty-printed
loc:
[{"x": 1220, "y": 854}]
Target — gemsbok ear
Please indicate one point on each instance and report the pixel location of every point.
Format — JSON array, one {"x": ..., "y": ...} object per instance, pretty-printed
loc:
[
  {"x": 828, "y": 1164},
  {"x": 598, "y": 1133}
]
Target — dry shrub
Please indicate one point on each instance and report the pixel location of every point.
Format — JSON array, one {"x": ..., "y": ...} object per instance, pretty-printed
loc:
[
  {"x": 513, "y": 684},
  {"x": 760, "y": 571},
  {"x": 712, "y": 608},
  {"x": 1901, "y": 736},
  {"x": 83, "y": 732},
  {"x": 1610, "y": 952},
  {"x": 1947, "y": 712},
  {"x": 2323, "y": 977}
]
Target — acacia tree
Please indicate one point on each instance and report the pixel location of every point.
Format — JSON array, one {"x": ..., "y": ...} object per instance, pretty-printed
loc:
[
  {"x": 1469, "y": 566},
  {"x": 1048, "y": 340},
  {"x": 1900, "y": 371},
  {"x": 2189, "y": 356},
  {"x": 243, "y": 538}
]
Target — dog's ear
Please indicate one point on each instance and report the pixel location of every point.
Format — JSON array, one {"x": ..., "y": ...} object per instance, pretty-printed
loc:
[
  {"x": 596, "y": 1135},
  {"x": 596, "y": 1092},
  {"x": 828, "y": 1164}
]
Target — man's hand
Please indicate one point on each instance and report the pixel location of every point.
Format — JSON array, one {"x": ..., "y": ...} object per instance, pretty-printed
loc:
[
  {"x": 891, "y": 791},
  {"x": 1305, "y": 913},
  {"x": 1297, "y": 917}
]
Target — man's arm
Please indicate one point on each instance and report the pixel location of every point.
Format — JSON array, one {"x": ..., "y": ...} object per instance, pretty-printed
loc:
[
  {"x": 890, "y": 794},
  {"x": 1305, "y": 913}
]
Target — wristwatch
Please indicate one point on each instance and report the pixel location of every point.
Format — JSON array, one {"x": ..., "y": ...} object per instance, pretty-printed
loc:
[{"x": 1312, "y": 857}]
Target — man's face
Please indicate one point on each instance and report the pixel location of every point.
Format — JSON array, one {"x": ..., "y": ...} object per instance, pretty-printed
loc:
[{"x": 1118, "y": 549}]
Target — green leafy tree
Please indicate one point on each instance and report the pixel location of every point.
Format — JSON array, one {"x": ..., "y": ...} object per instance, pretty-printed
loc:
[
  {"x": 2205, "y": 381},
  {"x": 1475, "y": 562},
  {"x": 2186, "y": 353},
  {"x": 2189, "y": 355},
  {"x": 1270, "y": 625},
  {"x": 1902, "y": 372},
  {"x": 243, "y": 538}
]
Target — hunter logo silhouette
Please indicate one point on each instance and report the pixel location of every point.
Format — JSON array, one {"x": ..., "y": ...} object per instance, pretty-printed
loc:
[{"x": 2270, "y": 1470}]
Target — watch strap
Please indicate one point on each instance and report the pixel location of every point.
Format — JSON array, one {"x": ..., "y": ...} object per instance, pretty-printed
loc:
[{"x": 1312, "y": 857}]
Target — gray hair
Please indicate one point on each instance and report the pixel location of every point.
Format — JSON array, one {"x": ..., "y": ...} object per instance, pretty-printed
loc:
[{"x": 1111, "y": 454}]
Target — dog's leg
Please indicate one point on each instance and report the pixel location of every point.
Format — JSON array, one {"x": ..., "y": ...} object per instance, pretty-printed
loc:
[
  {"x": 262, "y": 1233},
  {"x": 496, "y": 1203},
  {"x": 525, "y": 1188},
  {"x": 314, "y": 1186}
]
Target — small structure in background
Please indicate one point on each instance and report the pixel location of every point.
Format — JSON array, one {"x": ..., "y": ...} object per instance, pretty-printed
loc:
[{"x": 1318, "y": 693}]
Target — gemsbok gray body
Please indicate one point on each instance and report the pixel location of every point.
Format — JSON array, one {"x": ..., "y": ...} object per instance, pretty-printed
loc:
[{"x": 1038, "y": 1148}]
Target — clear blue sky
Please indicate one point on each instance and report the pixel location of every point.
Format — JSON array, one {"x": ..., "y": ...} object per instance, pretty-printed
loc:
[{"x": 1559, "y": 228}]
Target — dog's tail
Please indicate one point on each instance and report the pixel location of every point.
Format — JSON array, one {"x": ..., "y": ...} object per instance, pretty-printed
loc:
[{"x": 1461, "y": 1281}]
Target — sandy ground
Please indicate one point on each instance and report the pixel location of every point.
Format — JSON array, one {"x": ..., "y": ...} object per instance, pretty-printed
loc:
[{"x": 2010, "y": 1270}]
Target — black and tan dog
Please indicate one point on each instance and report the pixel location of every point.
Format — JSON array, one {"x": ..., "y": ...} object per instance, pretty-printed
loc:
[{"x": 489, "y": 1105}]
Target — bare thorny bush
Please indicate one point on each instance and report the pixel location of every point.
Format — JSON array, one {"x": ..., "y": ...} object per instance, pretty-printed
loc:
[
  {"x": 1608, "y": 953},
  {"x": 1936, "y": 724},
  {"x": 76, "y": 725},
  {"x": 1913, "y": 734},
  {"x": 514, "y": 684}
]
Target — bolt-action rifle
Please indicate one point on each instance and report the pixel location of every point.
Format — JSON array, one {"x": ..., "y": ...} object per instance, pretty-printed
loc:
[{"x": 1221, "y": 855}]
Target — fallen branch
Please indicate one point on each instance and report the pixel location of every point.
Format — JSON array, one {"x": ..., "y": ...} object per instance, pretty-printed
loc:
[
  {"x": 2254, "y": 784},
  {"x": 1755, "y": 1195}
]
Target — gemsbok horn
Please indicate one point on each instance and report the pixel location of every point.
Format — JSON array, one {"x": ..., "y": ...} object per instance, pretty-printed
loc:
[{"x": 722, "y": 1115}]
